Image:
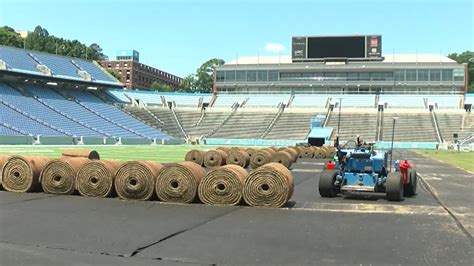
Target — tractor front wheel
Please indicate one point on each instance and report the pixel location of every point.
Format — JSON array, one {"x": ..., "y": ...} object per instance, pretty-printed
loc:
[
  {"x": 394, "y": 187},
  {"x": 326, "y": 184},
  {"x": 410, "y": 188}
]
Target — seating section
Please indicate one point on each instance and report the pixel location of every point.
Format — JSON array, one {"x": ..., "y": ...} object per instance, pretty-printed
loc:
[
  {"x": 460, "y": 123},
  {"x": 15, "y": 118},
  {"x": 94, "y": 70},
  {"x": 210, "y": 121},
  {"x": 409, "y": 127},
  {"x": 4, "y": 130},
  {"x": 246, "y": 125},
  {"x": 73, "y": 109},
  {"x": 61, "y": 66},
  {"x": 353, "y": 124},
  {"x": 116, "y": 116},
  {"x": 293, "y": 126},
  {"x": 164, "y": 115},
  {"x": 46, "y": 112},
  {"x": 29, "y": 115},
  {"x": 20, "y": 60}
]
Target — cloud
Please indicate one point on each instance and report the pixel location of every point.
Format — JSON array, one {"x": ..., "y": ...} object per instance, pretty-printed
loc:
[{"x": 272, "y": 47}]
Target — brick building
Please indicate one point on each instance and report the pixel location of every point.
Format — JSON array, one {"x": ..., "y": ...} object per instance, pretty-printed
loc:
[{"x": 137, "y": 75}]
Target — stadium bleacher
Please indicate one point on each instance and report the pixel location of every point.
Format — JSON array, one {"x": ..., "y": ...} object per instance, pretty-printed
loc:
[
  {"x": 48, "y": 113},
  {"x": 292, "y": 126},
  {"x": 415, "y": 127},
  {"x": 355, "y": 123},
  {"x": 458, "y": 122},
  {"x": 26, "y": 61},
  {"x": 115, "y": 116}
]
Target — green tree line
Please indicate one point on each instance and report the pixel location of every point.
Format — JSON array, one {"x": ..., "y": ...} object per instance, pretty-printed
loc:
[
  {"x": 41, "y": 40},
  {"x": 468, "y": 58}
]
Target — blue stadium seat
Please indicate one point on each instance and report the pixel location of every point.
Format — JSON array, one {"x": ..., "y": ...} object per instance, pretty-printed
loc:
[
  {"x": 78, "y": 112},
  {"x": 117, "y": 115},
  {"x": 95, "y": 71},
  {"x": 7, "y": 130},
  {"x": 61, "y": 66},
  {"x": 23, "y": 122},
  {"x": 47, "y": 114},
  {"x": 18, "y": 59}
]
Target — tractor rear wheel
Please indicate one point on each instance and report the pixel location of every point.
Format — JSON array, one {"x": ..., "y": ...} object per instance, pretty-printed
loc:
[
  {"x": 394, "y": 187},
  {"x": 410, "y": 188},
  {"x": 326, "y": 184}
]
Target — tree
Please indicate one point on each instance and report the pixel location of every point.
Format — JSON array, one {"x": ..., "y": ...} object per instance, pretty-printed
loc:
[
  {"x": 96, "y": 52},
  {"x": 188, "y": 84},
  {"x": 41, "y": 40},
  {"x": 466, "y": 57},
  {"x": 205, "y": 74},
  {"x": 160, "y": 87},
  {"x": 114, "y": 73},
  {"x": 9, "y": 37}
]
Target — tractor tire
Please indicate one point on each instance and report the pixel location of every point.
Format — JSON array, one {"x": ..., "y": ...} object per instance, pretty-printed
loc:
[
  {"x": 394, "y": 187},
  {"x": 409, "y": 190},
  {"x": 327, "y": 188}
]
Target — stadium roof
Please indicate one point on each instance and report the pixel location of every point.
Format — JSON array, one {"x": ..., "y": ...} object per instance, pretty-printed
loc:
[{"x": 389, "y": 58}]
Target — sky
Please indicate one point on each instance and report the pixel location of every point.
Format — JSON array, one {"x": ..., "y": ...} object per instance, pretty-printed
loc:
[{"x": 178, "y": 36}]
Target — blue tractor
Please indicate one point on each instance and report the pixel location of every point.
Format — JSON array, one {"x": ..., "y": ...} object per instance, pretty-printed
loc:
[{"x": 362, "y": 170}]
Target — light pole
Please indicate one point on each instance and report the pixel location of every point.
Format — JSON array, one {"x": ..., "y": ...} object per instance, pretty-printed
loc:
[
  {"x": 391, "y": 147},
  {"x": 339, "y": 116}
]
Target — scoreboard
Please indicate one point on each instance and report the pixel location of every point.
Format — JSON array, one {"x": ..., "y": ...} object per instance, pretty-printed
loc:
[{"x": 316, "y": 48}]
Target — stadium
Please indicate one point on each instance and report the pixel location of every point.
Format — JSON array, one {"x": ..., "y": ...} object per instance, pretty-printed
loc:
[
  {"x": 268, "y": 100},
  {"x": 330, "y": 90}
]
